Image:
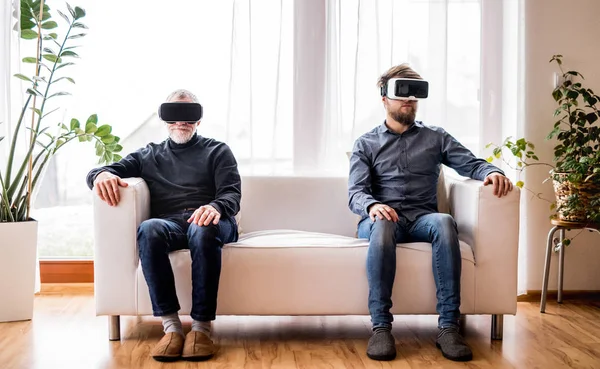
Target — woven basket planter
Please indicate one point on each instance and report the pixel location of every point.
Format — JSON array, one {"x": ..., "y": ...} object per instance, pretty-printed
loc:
[{"x": 586, "y": 192}]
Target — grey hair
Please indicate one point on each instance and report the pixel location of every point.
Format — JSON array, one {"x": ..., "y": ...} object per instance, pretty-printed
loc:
[{"x": 182, "y": 93}]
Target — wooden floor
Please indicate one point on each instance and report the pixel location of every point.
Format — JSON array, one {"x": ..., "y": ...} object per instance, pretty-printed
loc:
[{"x": 64, "y": 333}]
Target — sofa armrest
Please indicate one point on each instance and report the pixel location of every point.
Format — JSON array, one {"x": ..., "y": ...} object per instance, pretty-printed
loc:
[
  {"x": 491, "y": 226},
  {"x": 115, "y": 248}
]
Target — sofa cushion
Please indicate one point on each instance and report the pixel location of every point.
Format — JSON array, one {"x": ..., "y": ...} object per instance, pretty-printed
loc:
[
  {"x": 283, "y": 272},
  {"x": 300, "y": 239}
]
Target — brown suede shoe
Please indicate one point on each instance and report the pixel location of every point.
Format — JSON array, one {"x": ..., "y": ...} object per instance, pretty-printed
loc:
[
  {"x": 168, "y": 348},
  {"x": 198, "y": 346}
]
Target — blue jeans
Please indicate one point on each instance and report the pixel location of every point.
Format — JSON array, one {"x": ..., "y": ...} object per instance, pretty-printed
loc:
[
  {"x": 383, "y": 235},
  {"x": 157, "y": 237}
]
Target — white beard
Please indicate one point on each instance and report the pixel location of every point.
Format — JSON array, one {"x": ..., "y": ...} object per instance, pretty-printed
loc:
[{"x": 181, "y": 137}]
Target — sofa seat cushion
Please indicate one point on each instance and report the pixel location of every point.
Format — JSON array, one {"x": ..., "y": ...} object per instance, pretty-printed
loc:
[
  {"x": 291, "y": 239},
  {"x": 275, "y": 273}
]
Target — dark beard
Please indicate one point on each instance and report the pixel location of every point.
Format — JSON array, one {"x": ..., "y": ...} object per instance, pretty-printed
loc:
[{"x": 406, "y": 119}]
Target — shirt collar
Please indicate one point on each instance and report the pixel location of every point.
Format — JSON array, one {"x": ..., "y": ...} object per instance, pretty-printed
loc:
[{"x": 383, "y": 128}]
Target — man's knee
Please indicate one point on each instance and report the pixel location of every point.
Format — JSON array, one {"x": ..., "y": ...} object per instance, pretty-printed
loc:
[
  {"x": 203, "y": 237},
  {"x": 444, "y": 223},
  {"x": 383, "y": 233},
  {"x": 151, "y": 228}
]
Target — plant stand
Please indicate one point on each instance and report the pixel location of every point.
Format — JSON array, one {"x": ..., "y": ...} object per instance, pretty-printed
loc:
[{"x": 556, "y": 245}]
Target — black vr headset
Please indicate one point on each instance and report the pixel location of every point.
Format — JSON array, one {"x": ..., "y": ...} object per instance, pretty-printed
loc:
[
  {"x": 172, "y": 112},
  {"x": 405, "y": 89}
]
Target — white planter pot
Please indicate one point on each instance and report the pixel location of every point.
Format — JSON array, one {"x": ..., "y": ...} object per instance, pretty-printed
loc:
[{"x": 18, "y": 257}]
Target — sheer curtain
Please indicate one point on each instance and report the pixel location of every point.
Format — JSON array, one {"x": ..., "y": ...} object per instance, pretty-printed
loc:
[
  {"x": 11, "y": 97},
  {"x": 440, "y": 39},
  {"x": 288, "y": 85}
]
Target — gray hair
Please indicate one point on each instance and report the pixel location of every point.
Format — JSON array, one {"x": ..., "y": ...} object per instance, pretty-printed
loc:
[{"x": 182, "y": 93}]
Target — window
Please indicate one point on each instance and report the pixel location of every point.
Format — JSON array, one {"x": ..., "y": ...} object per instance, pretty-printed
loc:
[{"x": 289, "y": 85}]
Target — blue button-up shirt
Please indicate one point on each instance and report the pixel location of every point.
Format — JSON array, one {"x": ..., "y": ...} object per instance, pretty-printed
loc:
[{"x": 402, "y": 170}]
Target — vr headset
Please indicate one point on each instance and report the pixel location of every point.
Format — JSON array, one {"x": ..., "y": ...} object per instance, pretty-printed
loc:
[
  {"x": 405, "y": 89},
  {"x": 172, "y": 112}
]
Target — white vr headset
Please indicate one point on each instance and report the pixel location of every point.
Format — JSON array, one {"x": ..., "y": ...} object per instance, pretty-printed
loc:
[{"x": 405, "y": 89}]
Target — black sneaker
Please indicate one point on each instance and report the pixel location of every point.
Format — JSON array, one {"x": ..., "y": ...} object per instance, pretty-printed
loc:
[
  {"x": 382, "y": 345},
  {"x": 453, "y": 345}
]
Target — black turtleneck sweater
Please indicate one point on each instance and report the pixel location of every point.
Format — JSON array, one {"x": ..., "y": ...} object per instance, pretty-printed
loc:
[{"x": 200, "y": 172}]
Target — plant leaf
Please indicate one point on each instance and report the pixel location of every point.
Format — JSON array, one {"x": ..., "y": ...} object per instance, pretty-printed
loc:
[
  {"x": 90, "y": 128},
  {"x": 50, "y": 112},
  {"x": 64, "y": 65},
  {"x": 49, "y": 25},
  {"x": 93, "y": 119},
  {"x": 34, "y": 92},
  {"x": 69, "y": 53},
  {"x": 519, "y": 184},
  {"x": 29, "y": 59},
  {"x": 27, "y": 24},
  {"x": 64, "y": 16},
  {"x": 79, "y": 12},
  {"x": 79, "y": 25},
  {"x": 29, "y": 34},
  {"x": 52, "y": 58},
  {"x": 76, "y": 36},
  {"x": 71, "y": 10},
  {"x": 108, "y": 139},
  {"x": 74, "y": 124},
  {"x": 62, "y": 93},
  {"x": 103, "y": 130},
  {"x": 24, "y": 78}
]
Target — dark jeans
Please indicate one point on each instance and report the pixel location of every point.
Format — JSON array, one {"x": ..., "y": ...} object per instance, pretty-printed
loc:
[
  {"x": 157, "y": 237},
  {"x": 383, "y": 235}
]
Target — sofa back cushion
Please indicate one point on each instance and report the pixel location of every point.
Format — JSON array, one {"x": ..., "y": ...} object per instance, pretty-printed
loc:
[{"x": 314, "y": 204}]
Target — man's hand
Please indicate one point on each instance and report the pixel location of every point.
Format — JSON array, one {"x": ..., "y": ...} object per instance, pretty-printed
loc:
[
  {"x": 382, "y": 211},
  {"x": 107, "y": 187},
  {"x": 501, "y": 184},
  {"x": 204, "y": 215}
]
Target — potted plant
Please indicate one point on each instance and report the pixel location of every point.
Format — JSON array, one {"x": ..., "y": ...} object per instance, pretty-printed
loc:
[
  {"x": 575, "y": 170},
  {"x": 44, "y": 135}
]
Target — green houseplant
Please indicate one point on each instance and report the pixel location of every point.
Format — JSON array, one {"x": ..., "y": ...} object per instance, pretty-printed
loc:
[
  {"x": 575, "y": 170},
  {"x": 54, "y": 56},
  {"x": 43, "y": 136}
]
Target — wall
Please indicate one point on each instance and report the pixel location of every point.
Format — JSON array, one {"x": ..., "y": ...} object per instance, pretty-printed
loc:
[{"x": 570, "y": 28}]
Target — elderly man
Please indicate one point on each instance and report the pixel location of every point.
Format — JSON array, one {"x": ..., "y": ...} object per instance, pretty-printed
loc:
[
  {"x": 195, "y": 192},
  {"x": 394, "y": 170}
]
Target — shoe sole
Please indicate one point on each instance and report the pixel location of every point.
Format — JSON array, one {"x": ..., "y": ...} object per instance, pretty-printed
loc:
[
  {"x": 197, "y": 358},
  {"x": 166, "y": 359},
  {"x": 382, "y": 357},
  {"x": 460, "y": 358}
]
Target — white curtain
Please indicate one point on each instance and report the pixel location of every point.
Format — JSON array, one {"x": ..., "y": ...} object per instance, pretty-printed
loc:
[
  {"x": 289, "y": 85},
  {"x": 11, "y": 97},
  {"x": 440, "y": 39}
]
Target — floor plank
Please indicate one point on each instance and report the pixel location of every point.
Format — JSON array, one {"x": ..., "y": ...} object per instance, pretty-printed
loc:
[{"x": 65, "y": 333}]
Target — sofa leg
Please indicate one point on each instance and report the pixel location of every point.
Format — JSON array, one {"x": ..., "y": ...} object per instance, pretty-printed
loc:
[
  {"x": 497, "y": 326},
  {"x": 114, "y": 328}
]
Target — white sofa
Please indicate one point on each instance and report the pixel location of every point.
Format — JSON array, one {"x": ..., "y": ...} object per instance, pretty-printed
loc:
[{"x": 298, "y": 255}]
